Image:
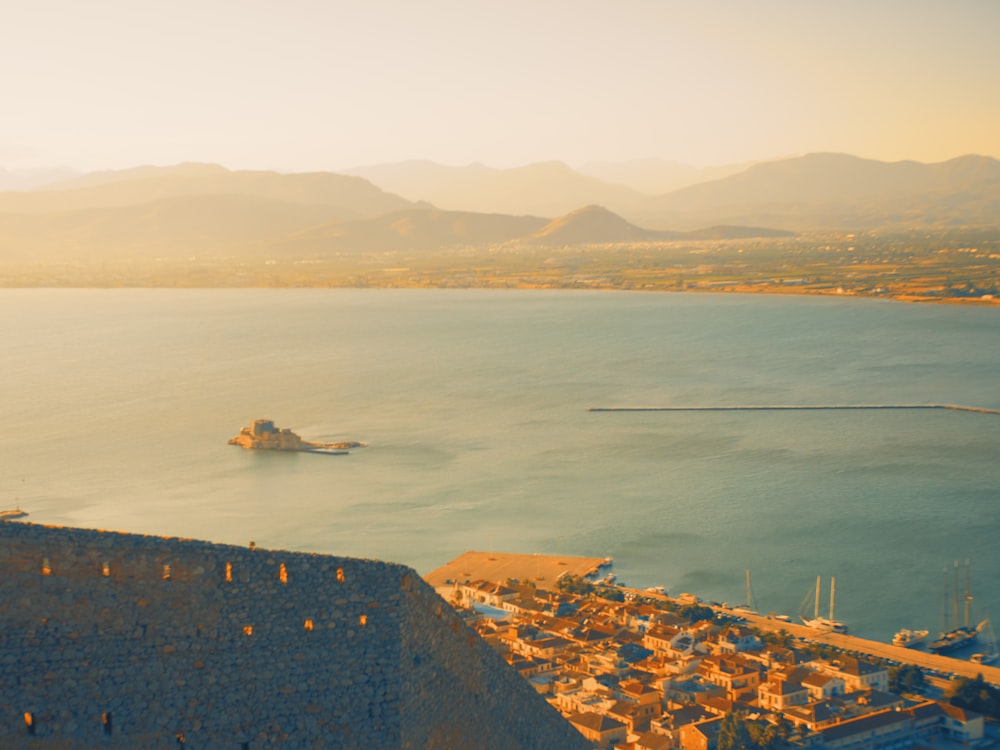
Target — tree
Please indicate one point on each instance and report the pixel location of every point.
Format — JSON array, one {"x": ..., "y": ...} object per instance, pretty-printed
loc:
[
  {"x": 976, "y": 695},
  {"x": 780, "y": 638},
  {"x": 733, "y": 733},
  {"x": 610, "y": 593},
  {"x": 906, "y": 678},
  {"x": 696, "y": 612},
  {"x": 575, "y": 585}
]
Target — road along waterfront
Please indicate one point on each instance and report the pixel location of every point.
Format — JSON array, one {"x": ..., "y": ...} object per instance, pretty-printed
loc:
[{"x": 935, "y": 663}]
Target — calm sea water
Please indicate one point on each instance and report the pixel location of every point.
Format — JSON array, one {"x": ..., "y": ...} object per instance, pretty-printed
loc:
[{"x": 117, "y": 405}]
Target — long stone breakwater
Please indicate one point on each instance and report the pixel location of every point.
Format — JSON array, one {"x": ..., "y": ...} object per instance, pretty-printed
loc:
[{"x": 798, "y": 407}]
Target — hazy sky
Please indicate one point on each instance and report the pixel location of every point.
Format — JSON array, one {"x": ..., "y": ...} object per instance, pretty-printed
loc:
[{"x": 324, "y": 84}]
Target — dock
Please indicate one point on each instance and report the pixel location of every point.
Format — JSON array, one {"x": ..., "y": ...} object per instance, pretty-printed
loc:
[
  {"x": 797, "y": 407},
  {"x": 499, "y": 566}
]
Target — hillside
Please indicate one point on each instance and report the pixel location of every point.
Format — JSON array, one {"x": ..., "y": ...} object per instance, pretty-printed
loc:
[
  {"x": 838, "y": 191},
  {"x": 413, "y": 229},
  {"x": 541, "y": 189},
  {"x": 177, "y": 226},
  {"x": 656, "y": 176},
  {"x": 353, "y": 196},
  {"x": 178, "y": 211},
  {"x": 596, "y": 225}
]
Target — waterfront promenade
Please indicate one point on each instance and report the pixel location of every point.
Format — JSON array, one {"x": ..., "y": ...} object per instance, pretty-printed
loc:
[{"x": 944, "y": 665}]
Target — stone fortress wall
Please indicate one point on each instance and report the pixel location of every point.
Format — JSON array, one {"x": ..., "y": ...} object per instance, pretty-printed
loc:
[{"x": 126, "y": 641}]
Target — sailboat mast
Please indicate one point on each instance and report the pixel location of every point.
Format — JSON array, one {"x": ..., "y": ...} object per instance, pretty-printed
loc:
[
  {"x": 956, "y": 593},
  {"x": 833, "y": 587},
  {"x": 749, "y": 597},
  {"x": 968, "y": 594},
  {"x": 945, "y": 603},
  {"x": 816, "y": 613}
]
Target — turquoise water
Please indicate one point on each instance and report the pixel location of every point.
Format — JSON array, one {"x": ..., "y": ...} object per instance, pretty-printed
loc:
[{"x": 117, "y": 406}]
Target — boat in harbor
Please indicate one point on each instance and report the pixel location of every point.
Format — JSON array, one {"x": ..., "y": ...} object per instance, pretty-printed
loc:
[
  {"x": 958, "y": 636},
  {"x": 991, "y": 654},
  {"x": 750, "y": 608},
  {"x": 817, "y": 621},
  {"x": 10, "y": 515},
  {"x": 954, "y": 639},
  {"x": 263, "y": 435},
  {"x": 907, "y": 638}
]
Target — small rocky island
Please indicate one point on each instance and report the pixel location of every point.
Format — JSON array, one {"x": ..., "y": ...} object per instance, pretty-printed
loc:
[{"x": 263, "y": 435}]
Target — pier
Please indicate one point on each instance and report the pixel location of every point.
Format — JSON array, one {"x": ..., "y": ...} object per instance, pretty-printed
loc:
[
  {"x": 499, "y": 566},
  {"x": 803, "y": 407}
]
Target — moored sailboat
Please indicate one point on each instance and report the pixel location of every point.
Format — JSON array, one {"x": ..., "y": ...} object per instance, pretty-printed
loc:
[
  {"x": 824, "y": 623},
  {"x": 960, "y": 635}
]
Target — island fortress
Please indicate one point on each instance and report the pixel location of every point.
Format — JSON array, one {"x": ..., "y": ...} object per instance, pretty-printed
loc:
[
  {"x": 263, "y": 435},
  {"x": 126, "y": 641}
]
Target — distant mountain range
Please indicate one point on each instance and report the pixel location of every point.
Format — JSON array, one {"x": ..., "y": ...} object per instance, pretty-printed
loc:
[
  {"x": 836, "y": 191},
  {"x": 543, "y": 189},
  {"x": 205, "y": 209},
  {"x": 816, "y": 191}
]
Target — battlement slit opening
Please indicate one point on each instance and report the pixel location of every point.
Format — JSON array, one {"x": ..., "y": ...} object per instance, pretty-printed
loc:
[
  {"x": 46, "y": 567},
  {"x": 229, "y": 572},
  {"x": 340, "y": 574},
  {"x": 106, "y": 722},
  {"x": 29, "y": 723},
  {"x": 283, "y": 573},
  {"x": 166, "y": 573}
]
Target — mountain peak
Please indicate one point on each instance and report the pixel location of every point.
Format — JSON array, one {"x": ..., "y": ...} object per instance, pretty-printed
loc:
[{"x": 592, "y": 224}]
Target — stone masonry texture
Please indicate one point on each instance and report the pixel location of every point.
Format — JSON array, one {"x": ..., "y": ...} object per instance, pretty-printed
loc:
[{"x": 111, "y": 640}]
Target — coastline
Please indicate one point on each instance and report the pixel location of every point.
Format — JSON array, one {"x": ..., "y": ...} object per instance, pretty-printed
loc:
[{"x": 9, "y": 283}]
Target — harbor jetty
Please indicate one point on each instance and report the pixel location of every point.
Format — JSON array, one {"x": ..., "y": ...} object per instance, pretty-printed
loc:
[
  {"x": 799, "y": 407},
  {"x": 500, "y": 566}
]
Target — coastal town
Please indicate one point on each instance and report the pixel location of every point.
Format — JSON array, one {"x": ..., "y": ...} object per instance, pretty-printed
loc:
[{"x": 642, "y": 670}]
